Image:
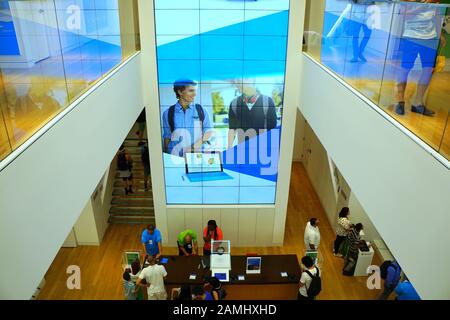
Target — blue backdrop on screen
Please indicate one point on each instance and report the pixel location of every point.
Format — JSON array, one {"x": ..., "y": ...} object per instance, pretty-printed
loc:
[
  {"x": 8, "y": 39},
  {"x": 221, "y": 70}
]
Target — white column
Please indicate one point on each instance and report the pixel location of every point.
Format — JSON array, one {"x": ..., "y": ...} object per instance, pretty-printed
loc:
[
  {"x": 151, "y": 102},
  {"x": 291, "y": 102}
]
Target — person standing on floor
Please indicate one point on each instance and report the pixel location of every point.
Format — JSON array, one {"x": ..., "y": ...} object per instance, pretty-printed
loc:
[
  {"x": 342, "y": 230},
  {"x": 135, "y": 272},
  {"x": 141, "y": 120},
  {"x": 145, "y": 157},
  {"x": 125, "y": 165},
  {"x": 187, "y": 243},
  {"x": 154, "y": 276},
  {"x": 421, "y": 36},
  {"x": 152, "y": 241},
  {"x": 211, "y": 232},
  {"x": 130, "y": 289},
  {"x": 310, "y": 282},
  {"x": 312, "y": 234},
  {"x": 393, "y": 273},
  {"x": 354, "y": 240}
]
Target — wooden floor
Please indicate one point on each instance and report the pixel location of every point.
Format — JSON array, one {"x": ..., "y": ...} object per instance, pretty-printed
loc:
[
  {"x": 435, "y": 130},
  {"x": 101, "y": 273},
  {"x": 35, "y": 108}
]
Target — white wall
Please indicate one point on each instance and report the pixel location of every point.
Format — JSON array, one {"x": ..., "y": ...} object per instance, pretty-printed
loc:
[
  {"x": 71, "y": 240},
  {"x": 359, "y": 215},
  {"x": 243, "y": 227},
  {"x": 321, "y": 175},
  {"x": 86, "y": 228},
  {"x": 400, "y": 184},
  {"x": 44, "y": 190},
  {"x": 172, "y": 219},
  {"x": 102, "y": 202},
  {"x": 93, "y": 221},
  {"x": 299, "y": 137},
  {"x": 318, "y": 168}
]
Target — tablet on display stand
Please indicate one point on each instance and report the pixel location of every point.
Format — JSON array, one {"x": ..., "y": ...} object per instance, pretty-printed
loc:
[{"x": 220, "y": 260}]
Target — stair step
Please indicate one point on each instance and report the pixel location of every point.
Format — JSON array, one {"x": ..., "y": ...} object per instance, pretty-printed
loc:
[
  {"x": 136, "y": 174},
  {"x": 137, "y": 165},
  {"x": 130, "y": 216},
  {"x": 136, "y": 157},
  {"x": 127, "y": 218},
  {"x": 133, "y": 150},
  {"x": 132, "y": 197},
  {"x": 134, "y": 171},
  {"x": 132, "y": 142},
  {"x": 133, "y": 203},
  {"x": 120, "y": 192},
  {"x": 132, "y": 220},
  {"x": 139, "y": 188},
  {"x": 130, "y": 211},
  {"x": 135, "y": 208},
  {"x": 137, "y": 184}
]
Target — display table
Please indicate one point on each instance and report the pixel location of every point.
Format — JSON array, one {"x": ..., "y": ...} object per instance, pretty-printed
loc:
[
  {"x": 269, "y": 285},
  {"x": 364, "y": 262}
]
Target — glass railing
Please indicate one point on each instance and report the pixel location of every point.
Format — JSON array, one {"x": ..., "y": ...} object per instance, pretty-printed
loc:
[
  {"x": 394, "y": 53},
  {"x": 51, "y": 52}
]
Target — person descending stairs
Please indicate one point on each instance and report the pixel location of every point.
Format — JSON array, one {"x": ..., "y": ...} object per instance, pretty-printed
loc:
[{"x": 136, "y": 207}]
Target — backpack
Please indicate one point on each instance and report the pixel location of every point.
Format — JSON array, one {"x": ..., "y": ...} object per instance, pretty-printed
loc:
[
  {"x": 384, "y": 268},
  {"x": 122, "y": 163},
  {"x": 171, "y": 116},
  {"x": 316, "y": 284},
  {"x": 265, "y": 99}
]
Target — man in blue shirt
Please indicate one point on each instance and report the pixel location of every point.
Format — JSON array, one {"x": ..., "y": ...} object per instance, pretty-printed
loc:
[
  {"x": 152, "y": 241},
  {"x": 391, "y": 281},
  {"x": 186, "y": 125},
  {"x": 406, "y": 291}
]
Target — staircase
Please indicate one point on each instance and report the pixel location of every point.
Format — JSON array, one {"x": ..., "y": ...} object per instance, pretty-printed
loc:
[{"x": 135, "y": 208}]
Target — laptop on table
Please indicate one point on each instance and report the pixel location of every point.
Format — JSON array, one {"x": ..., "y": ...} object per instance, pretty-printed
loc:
[{"x": 205, "y": 166}]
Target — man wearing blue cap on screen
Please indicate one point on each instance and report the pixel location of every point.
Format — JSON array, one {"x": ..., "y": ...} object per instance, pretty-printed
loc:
[{"x": 186, "y": 125}]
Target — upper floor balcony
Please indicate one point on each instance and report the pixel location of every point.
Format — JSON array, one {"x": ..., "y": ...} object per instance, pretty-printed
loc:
[
  {"x": 395, "y": 53},
  {"x": 51, "y": 52}
]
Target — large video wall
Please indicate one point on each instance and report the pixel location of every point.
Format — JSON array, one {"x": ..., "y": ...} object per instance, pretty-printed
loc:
[{"x": 221, "y": 72}]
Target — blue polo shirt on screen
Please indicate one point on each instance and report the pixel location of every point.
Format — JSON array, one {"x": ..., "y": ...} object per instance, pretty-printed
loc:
[
  {"x": 187, "y": 127},
  {"x": 151, "y": 241}
]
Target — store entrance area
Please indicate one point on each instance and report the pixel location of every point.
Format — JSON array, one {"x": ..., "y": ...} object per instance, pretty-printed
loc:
[{"x": 105, "y": 261}]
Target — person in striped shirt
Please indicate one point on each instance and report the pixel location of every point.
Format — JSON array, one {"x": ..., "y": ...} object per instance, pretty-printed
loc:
[{"x": 354, "y": 239}]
